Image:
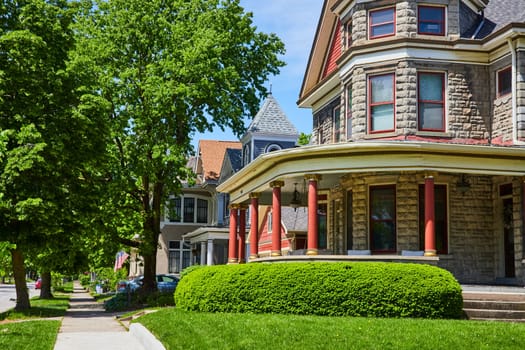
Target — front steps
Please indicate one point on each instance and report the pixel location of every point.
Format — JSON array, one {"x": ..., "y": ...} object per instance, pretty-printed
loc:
[{"x": 495, "y": 305}]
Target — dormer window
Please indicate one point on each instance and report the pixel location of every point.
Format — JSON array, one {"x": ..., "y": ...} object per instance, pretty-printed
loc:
[
  {"x": 382, "y": 22},
  {"x": 431, "y": 20}
]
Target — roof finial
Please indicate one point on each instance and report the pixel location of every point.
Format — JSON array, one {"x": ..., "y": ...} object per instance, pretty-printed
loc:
[{"x": 270, "y": 89}]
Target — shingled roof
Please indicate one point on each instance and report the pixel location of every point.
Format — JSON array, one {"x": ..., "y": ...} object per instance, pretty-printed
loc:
[
  {"x": 499, "y": 13},
  {"x": 271, "y": 120},
  {"x": 211, "y": 154}
]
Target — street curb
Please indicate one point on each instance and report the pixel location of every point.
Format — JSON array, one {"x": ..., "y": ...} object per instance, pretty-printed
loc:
[{"x": 144, "y": 336}]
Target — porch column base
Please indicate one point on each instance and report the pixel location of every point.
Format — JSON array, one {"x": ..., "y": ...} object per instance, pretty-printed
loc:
[
  {"x": 430, "y": 253},
  {"x": 312, "y": 251},
  {"x": 253, "y": 256},
  {"x": 276, "y": 253},
  {"x": 232, "y": 261}
]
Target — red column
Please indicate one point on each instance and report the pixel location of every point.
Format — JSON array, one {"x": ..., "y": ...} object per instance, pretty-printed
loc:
[
  {"x": 232, "y": 247},
  {"x": 242, "y": 235},
  {"x": 313, "y": 219},
  {"x": 430, "y": 235},
  {"x": 254, "y": 226},
  {"x": 276, "y": 217}
]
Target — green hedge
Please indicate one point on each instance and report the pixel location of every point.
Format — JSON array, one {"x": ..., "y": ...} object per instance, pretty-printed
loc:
[{"x": 333, "y": 289}]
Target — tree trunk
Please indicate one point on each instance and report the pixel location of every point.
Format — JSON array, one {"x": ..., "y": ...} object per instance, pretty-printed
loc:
[
  {"x": 45, "y": 289},
  {"x": 22, "y": 294}
]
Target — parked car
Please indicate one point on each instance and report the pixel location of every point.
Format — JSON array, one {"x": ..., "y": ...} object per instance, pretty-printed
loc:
[
  {"x": 165, "y": 284},
  {"x": 38, "y": 283}
]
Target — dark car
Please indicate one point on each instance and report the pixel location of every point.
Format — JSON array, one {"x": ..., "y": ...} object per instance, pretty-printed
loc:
[{"x": 165, "y": 284}]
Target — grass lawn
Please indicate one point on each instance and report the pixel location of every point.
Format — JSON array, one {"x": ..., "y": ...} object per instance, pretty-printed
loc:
[
  {"x": 29, "y": 335},
  {"x": 190, "y": 330}
]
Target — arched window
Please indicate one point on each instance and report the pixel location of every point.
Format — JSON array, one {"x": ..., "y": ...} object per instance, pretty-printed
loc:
[{"x": 272, "y": 147}]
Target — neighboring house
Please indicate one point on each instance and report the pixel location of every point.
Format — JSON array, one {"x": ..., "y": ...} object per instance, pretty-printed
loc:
[
  {"x": 269, "y": 131},
  {"x": 418, "y": 139},
  {"x": 198, "y": 206}
]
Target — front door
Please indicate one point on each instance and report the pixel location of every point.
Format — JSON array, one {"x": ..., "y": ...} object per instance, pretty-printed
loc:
[{"x": 508, "y": 238}]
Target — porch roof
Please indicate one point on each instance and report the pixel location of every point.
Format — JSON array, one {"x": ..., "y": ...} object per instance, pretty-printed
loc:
[{"x": 335, "y": 160}]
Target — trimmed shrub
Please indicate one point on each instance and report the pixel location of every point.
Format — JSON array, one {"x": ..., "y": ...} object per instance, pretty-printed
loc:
[{"x": 331, "y": 289}]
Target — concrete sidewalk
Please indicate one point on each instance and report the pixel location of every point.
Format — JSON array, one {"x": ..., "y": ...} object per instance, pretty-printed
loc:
[{"x": 86, "y": 325}]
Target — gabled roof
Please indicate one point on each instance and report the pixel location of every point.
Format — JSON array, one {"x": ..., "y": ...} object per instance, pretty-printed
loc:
[
  {"x": 211, "y": 154},
  {"x": 320, "y": 46},
  {"x": 271, "y": 120},
  {"x": 235, "y": 157}
]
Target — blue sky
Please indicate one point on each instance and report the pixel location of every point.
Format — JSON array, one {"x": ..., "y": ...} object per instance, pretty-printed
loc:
[{"x": 295, "y": 22}]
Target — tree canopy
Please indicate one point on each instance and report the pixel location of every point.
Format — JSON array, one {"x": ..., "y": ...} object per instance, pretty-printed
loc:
[
  {"x": 51, "y": 129},
  {"x": 168, "y": 69}
]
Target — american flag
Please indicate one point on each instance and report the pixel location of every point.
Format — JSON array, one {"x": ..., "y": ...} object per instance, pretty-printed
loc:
[{"x": 120, "y": 258}]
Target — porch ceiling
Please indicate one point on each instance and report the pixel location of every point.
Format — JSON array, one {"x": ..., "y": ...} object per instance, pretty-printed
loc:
[{"x": 335, "y": 160}]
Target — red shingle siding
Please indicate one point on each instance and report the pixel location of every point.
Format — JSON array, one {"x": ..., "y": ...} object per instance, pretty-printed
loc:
[{"x": 335, "y": 51}]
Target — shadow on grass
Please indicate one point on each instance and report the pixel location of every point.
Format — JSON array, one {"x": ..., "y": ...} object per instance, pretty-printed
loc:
[{"x": 40, "y": 308}]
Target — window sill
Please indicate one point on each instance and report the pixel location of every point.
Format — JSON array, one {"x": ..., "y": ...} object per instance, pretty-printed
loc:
[
  {"x": 434, "y": 134},
  {"x": 381, "y": 135}
]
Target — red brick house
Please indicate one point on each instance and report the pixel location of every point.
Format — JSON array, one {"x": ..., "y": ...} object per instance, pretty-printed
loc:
[{"x": 417, "y": 142}]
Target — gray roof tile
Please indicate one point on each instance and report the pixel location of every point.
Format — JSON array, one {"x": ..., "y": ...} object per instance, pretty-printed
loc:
[
  {"x": 271, "y": 120},
  {"x": 499, "y": 13}
]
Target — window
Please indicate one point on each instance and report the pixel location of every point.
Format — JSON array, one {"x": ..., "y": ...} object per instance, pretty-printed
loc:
[
  {"x": 176, "y": 250},
  {"x": 431, "y": 20},
  {"x": 382, "y": 23},
  {"x": 440, "y": 218},
  {"x": 270, "y": 222},
  {"x": 336, "y": 116},
  {"x": 431, "y": 101},
  {"x": 381, "y": 102},
  {"x": 273, "y": 147},
  {"x": 383, "y": 219},
  {"x": 246, "y": 154},
  {"x": 348, "y": 109},
  {"x": 202, "y": 211},
  {"x": 188, "y": 210},
  {"x": 348, "y": 35},
  {"x": 174, "y": 209},
  {"x": 505, "y": 81}
]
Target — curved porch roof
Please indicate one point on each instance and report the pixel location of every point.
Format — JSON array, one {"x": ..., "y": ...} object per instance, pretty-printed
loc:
[{"x": 335, "y": 160}]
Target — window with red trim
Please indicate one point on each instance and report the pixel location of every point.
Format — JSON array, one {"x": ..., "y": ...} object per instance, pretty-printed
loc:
[
  {"x": 381, "y": 102},
  {"x": 383, "y": 219},
  {"x": 431, "y": 101},
  {"x": 348, "y": 34},
  {"x": 431, "y": 20},
  {"x": 505, "y": 81},
  {"x": 440, "y": 218},
  {"x": 382, "y": 22}
]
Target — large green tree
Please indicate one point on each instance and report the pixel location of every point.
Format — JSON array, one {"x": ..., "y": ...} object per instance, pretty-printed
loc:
[
  {"x": 169, "y": 69},
  {"x": 50, "y": 138}
]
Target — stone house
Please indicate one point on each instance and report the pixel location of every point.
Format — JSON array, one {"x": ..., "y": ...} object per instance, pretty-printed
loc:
[{"x": 418, "y": 139}]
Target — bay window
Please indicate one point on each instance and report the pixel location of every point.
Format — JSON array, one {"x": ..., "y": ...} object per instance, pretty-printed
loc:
[{"x": 186, "y": 209}]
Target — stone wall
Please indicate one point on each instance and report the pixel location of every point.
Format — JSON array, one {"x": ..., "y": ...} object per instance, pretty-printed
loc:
[
  {"x": 472, "y": 233},
  {"x": 501, "y": 106},
  {"x": 467, "y": 99}
]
